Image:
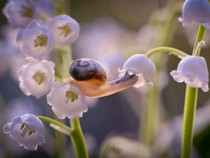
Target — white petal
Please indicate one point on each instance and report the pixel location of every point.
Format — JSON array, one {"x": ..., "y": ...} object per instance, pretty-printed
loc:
[
  {"x": 26, "y": 39},
  {"x": 195, "y": 11},
  {"x": 29, "y": 142},
  {"x": 193, "y": 71},
  {"x": 60, "y": 21},
  {"x": 64, "y": 107},
  {"x": 142, "y": 66},
  {"x": 26, "y": 77}
]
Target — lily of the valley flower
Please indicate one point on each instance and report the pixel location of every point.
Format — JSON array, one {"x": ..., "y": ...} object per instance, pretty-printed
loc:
[
  {"x": 65, "y": 29},
  {"x": 36, "y": 77},
  {"x": 142, "y": 66},
  {"x": 195, "y": 11},
  {"x": 27, "y": 130},
  {"x": 193, "y": 71},
  {"x": 66, "y": 100},
  {"x": 35, "y": 40},
  {"x": 19, "y": 13},
  {"x": 45, "y": 8}
]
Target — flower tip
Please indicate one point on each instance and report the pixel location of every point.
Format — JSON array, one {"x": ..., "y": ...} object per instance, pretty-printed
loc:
[
  {"x": 205, "y": 88},
  {"x": 180, "y": 19},
  {"x": 149, "y": 84},
  {"x": 184, "y": 22}
]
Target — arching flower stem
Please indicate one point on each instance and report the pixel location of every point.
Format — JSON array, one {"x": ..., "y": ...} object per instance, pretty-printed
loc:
[
  {"x": 191, "y": 96},
  {"x": 56, "y": 125},
  {"x": 170, "y": 50},
  {"x": 151, "y": 111}
]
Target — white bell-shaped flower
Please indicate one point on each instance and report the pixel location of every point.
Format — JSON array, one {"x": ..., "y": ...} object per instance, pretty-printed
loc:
[
  {"x": 19, "y": 13},
  {"x": 36, "y": 77},
  {"x": 65, "y": 29},
  {"x": 193, "y": 71},
  {"x": 142, "y": 66},
  {"x": 195, "y": 11},
  {"x": 35, "y": 40},
  {"x": 27, "y": 130},
  {"x": 66, "y": 100}
]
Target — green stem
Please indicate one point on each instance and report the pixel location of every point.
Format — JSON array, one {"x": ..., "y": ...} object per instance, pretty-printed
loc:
[
  {"x": 199, "y": 37},
  {"x": 150, "y": 121},
  {"x": 60, "y": 129},
  {"x": 164, "y": 24},
  {"x": 60, "y": 139},
  {"x": 170, "y": 50},
  {"x": 62, "y": 58},
  {"x": 78, "y": 139},
  {"x": 62, "y": 6},
  {"x": 198, "y": 48},
  {"x": 59, "y": 6},
  {"x": 51, "y": 121},
  {"x": 189, "y": 114},
  {"x": 170, "y": 23},
  {"x": 190, "y": 105},
  {"x": 60, "y": 144}
]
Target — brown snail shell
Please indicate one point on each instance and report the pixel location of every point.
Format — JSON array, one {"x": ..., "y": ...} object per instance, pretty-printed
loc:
[
  {"x": 84, "y": 69},
  {"x": 90, "y": 77}
]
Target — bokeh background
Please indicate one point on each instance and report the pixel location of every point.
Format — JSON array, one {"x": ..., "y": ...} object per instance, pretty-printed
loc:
[{"x": 112, "y": 30}]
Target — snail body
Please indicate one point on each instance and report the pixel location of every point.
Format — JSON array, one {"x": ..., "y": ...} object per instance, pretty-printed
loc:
[{"x": 90, "y": 77}]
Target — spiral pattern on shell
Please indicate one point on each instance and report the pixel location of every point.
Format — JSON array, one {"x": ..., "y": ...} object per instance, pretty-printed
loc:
[{"x": 86, "y": 69}]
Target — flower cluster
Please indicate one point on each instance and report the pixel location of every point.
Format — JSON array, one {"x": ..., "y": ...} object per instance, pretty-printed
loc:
[
  {"x": 20, "y": 13},
  {"x": 39, "y": 34},
  {"x": 36, "y": 41}
]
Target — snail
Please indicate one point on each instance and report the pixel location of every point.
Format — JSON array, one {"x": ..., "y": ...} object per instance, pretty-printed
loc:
[{"x": 89, "y": 75}]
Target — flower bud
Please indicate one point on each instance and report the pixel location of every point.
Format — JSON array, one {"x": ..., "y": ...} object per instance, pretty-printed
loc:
[
  {"x": 195, "y": 11},
  {"x": 27, "y": 130},
  {"x": 193, "y": 71}
]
